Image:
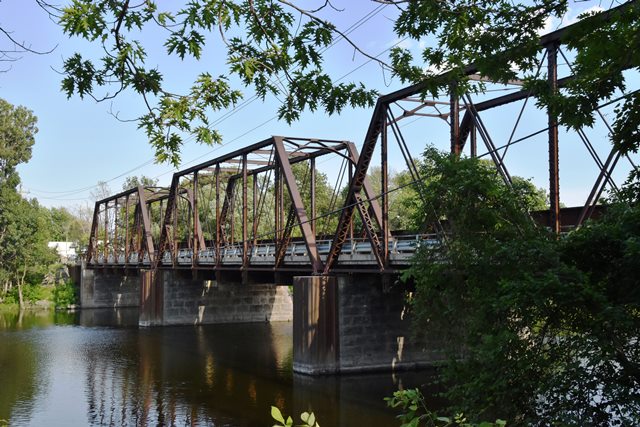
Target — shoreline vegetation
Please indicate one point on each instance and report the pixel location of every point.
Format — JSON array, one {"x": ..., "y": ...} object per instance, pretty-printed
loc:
[{"x": 42, "y": 297}]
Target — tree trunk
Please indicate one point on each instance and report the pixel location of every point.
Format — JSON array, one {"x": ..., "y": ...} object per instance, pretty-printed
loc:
[{"x": 20, "y": 284}]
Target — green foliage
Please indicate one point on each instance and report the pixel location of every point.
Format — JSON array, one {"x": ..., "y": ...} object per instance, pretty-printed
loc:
[
  {"x": 501, "y": 38},
  {"x": 17, "y": 136},
  {"x": 64, "y": 294},
  {"x": 134, "y": 181},
  {"x": 539, "y": 330},
  {"x": 308, "y": 419},
  {"x": 67, "y": 227},
  {"x": 263, "y": 40},
  {"x": 415, "y": 412},
  {"x": 24, "y": 224}
]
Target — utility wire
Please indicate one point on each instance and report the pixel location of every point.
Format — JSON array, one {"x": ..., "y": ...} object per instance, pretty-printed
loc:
[{"x": 226, "y": 116}]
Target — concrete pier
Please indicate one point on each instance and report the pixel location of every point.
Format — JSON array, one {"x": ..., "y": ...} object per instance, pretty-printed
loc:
[
  {"x": 349, "y": 324},
  {"x": 177, "y": 298},
  {"x": 109, "y": 289}
]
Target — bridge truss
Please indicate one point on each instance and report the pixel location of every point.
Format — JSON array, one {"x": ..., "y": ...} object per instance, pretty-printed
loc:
[{"x": 255, "y": 208}]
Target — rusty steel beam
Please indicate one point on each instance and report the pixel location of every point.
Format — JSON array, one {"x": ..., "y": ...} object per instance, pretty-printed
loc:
[
  {"x": 344, "y": 223},
  {"x": 105, "y": 252},
  {"x": 166, "y": 225},
  {"x": 384, "y": 188},
  {"x": 249, "y": 161},
  {"x": 226, "y": 205},
  {"x": 467, "y": 122},
  {"x": 554, "y": 173},
  {"x": 115, "y": 230},
  {"x": 245, "y": 236},
  {"x": 376, "y": 210},
  {"x": 454, "y": 120},
  {"x": 146, "y": 221},
  {"x": 126, "y": 231},
  {"x": 93, "y": 238},
  {"x": 296, "y": 200},
  {"x": 218, "y": 217},
  {"x": 312, "y": 194}
]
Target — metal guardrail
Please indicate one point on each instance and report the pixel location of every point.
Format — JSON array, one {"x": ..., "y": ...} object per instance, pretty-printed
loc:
[{"x": 354, "y": 252}]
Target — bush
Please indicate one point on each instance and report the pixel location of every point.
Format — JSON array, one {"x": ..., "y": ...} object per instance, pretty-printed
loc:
[
  {"x": 64, "y": 294},
  {"x": 540, "y": 330},
  {"x": 416, "y": 413}
]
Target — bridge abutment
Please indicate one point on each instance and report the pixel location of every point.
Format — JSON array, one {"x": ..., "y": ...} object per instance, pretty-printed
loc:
[{"x": 351, "y": 324}]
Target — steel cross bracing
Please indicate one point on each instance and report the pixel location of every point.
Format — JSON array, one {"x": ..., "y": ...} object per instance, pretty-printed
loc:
[
  {"x": 413, "y": 102},
  {"x": 256, "y": 208},
  {"x": 253, "y": 209}
]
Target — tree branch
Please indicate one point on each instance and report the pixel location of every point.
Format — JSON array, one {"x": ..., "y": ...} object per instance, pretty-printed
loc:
[{"x": 334, "y": 29}]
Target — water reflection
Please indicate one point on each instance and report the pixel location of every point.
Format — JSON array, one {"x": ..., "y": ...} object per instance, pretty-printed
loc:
[
  {"x": 18, "y": 369},
  {"x": 208, "y": 375}
]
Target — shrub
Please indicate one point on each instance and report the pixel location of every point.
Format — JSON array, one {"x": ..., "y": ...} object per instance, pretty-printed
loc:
[{"x": 64, "y": 294}]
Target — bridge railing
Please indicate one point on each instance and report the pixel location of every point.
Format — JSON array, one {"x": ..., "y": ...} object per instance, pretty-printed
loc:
[{"x": 357, "y": 251}]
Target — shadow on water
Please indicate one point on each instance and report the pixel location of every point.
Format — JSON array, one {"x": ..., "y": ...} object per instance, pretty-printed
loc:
[{"x": 206, "y": 375}]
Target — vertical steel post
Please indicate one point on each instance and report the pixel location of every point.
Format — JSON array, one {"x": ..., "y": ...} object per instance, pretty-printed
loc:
[
  {"x": 106, "y": 231},
  {"x": 162, "y": 212},
  {"x": 126, "y": 231},
  {"x": 245, "y": 237},
  {"x": 454, "y": 119},
  {"x": 312, "y": 191},
  {"x": 196, "y": 219},
  {"x": 232, "y": 208},
  {"x": 254, "y": 181},
  {"x": 351, "y": 220},
  {"x": 276, "y": 204},
  {"x": 115, "y": 232},
  {"x": 554, "y": 176},
  {"x": 384, "y": 185},
  {"x": 473, "y": 137},
  {"x": 282, "y": 217},
  {"x": 218, "y": 232},
  {"x": 175, "y": 210}
]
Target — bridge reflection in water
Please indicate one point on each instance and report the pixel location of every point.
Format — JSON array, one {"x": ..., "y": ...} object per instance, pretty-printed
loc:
[{"x": 222, "y": 375}]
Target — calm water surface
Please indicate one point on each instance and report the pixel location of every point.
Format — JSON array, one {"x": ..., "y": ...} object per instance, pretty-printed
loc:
[{"x": 96, "y": 367}]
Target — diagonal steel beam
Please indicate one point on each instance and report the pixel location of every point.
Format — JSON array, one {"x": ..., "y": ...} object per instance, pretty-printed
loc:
[
  {"x": 146, "y": 221},
  {"x": 296, "y": 200},
  {"x": 346, "y": 215}
]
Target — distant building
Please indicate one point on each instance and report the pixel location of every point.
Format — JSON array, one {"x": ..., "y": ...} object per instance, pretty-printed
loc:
[{"x": 66, "y": 250}]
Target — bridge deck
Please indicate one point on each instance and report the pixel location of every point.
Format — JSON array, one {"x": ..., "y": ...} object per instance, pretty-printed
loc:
[{"x": 357, "y": 252}]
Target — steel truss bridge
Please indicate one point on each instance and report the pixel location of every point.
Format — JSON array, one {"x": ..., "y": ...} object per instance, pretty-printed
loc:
[{"x": 256, "y": 209}]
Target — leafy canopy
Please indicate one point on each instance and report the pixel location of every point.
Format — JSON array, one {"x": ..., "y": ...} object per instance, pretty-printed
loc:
[
  {"x": 264, "y": 40},
  {"x": 277, "y": 48}
]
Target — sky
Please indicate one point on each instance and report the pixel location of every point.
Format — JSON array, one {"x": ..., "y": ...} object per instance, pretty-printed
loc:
[{"x": 80, "y": 142}]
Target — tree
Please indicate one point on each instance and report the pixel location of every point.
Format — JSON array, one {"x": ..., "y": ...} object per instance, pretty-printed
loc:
[
  {"x": 17, "y": 136},
  {"x": 24, "y": 255},
  {"x": 133, "y": 181},
  {"x": 268, "y": 49},
  {"x": 67, "y": 227},
  {"x": 11, "y": 48},
  {"x": 262, "y": 44},
  {"x": 501, "y": 38},
  {"x": 101, "y": 191},
  {"x": 539, "y": 331},
  {"x": 24, "y": 225}
]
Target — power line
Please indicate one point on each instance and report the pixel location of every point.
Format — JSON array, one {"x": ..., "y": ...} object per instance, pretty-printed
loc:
[{"x": 224, "y": 117}]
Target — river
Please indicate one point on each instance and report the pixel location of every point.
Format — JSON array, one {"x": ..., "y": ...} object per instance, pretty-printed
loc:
[{"x": 97, "y": 367}]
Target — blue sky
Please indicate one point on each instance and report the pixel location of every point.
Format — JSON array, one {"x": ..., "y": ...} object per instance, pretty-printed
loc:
[{"x": 81, "y": 143}]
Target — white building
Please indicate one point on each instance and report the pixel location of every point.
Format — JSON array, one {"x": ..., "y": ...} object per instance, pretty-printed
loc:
[{"x": 66, "y": 250}]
